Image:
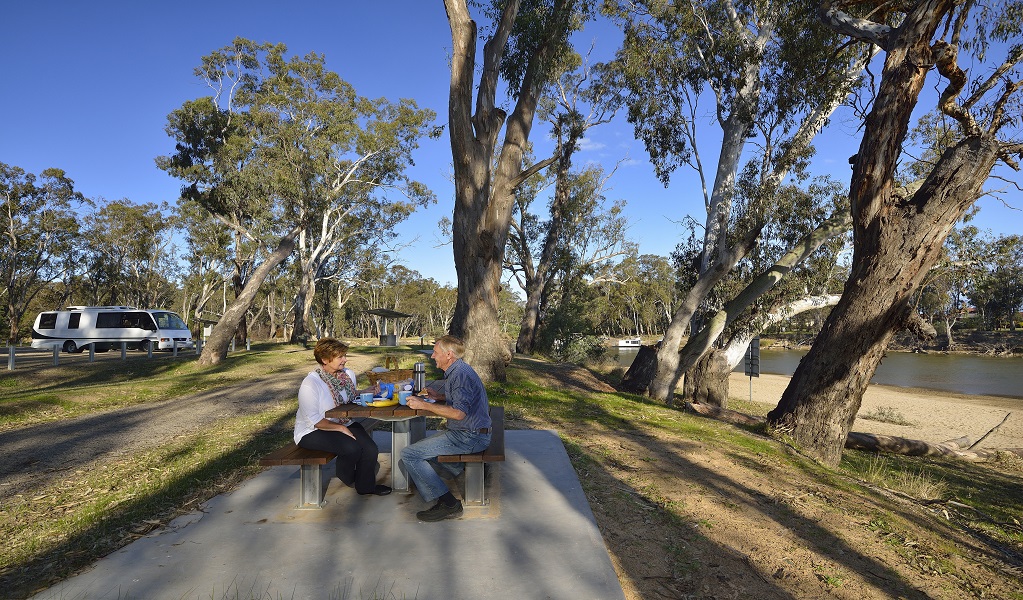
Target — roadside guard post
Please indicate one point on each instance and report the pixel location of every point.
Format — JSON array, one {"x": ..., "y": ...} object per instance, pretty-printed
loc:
[{"x": 752, "y": 363}]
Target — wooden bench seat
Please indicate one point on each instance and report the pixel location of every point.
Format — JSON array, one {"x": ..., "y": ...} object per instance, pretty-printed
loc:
[
  {"x": 475, "y": 490},
  {"x": 311, "y": 463}
]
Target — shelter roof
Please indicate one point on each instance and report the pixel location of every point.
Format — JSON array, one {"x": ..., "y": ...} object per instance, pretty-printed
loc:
[{"x": 387, "y": 313}]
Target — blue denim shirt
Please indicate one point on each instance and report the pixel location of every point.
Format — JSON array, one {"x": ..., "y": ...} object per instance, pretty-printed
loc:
[{"x": 464, "y": 390}]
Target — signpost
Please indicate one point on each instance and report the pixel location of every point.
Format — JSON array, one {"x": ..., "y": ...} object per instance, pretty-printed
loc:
[{"x": 752, "y": 368}]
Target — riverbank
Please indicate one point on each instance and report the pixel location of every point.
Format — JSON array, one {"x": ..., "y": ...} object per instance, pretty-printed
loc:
[
  {"x": 932, "y": 416},
  {"x": 987, "y": 343}
]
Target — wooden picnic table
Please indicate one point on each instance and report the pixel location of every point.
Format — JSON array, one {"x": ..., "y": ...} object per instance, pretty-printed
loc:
[{"x": 408, "y": 427}]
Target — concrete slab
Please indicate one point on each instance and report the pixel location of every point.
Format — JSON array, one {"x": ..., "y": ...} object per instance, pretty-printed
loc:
[{"x": 536, "y": 539}]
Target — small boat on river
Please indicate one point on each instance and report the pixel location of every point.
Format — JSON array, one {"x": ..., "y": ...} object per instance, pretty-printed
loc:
[{"x": 632, "y": 342}]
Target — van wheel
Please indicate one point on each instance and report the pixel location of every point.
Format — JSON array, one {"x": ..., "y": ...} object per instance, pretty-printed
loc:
[
  {"x": 144, "y": 345},
  {"x": 70, "y": 347}
]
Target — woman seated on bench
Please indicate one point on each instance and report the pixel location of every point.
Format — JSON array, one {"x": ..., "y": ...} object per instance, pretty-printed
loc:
[{"x": 329, "y": 385}]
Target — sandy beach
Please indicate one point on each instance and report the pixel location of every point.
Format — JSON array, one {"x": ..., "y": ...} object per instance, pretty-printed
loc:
[{"x": 935, "y": 416}]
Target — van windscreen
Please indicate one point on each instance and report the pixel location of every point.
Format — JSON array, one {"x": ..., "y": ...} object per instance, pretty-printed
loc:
[{"x": 169, "y": 320}]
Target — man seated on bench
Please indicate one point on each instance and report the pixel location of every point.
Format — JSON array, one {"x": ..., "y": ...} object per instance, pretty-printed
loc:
[
  {"x": 468, "y": 428},
  {"x": 328, "y": 386}
]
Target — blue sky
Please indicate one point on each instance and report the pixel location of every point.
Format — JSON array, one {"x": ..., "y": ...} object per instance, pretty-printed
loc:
[{"x": 87, "y": 88}]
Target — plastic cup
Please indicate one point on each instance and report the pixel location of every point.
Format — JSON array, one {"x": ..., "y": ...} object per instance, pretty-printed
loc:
[
  {"x": 403, "y": 397},
  {"x": 365, "y": 398}
]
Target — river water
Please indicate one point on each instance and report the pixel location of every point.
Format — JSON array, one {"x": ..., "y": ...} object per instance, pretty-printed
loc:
[{"x": 960, "y": 373}]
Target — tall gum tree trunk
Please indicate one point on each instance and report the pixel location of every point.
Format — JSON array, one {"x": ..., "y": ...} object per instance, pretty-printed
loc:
[
  {"x": 302, "y": 306},
  {"x": 892, "y": 256},
  {"x": 896, "y": 240},
  {"x": 483, "y": 205}
]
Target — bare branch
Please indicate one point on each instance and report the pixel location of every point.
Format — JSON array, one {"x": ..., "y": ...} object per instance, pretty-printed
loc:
[
  {"x": 998, "y": 73},
  {"x": 947, "y": 64},
  {"x": 533, "y": 170},
  {"x": 858, "y": 28}
]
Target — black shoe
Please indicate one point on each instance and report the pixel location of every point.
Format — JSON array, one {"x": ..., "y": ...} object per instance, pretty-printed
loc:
[
  {"x": 380, "y": 490},
  {"x": 440, "y": 512}
]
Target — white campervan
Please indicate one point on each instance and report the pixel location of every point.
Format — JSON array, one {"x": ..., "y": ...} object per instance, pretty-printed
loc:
[{"x": 107, "y": 326}]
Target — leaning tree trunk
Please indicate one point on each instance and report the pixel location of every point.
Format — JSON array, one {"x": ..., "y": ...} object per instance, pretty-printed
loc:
[
  {"x": 892, "y": 255},
  {"x": 720, "y": 363},
  {"x": 219, "y": 341},
  {"x": 896, "y": 240}
]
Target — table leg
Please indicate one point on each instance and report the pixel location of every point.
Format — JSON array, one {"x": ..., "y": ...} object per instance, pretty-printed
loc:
[{"x": 404, "y": 433}]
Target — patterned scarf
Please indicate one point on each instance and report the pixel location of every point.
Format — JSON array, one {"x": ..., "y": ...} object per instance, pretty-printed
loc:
[{"x": 342, "y": 382}]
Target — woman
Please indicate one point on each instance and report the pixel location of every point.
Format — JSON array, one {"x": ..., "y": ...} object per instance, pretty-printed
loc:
[{"x": 328, "y": 386}]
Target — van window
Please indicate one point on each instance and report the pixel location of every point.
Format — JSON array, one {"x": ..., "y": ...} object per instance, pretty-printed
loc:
[
  {"x": 47, "y": 320},
  {"x": 73, "y": 320},
  {"x": 140, "y": 320},
  {"x": 108, "y": 320}
]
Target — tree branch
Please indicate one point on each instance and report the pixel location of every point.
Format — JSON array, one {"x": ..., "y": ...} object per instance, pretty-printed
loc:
[{"x": 856, "y": 27}]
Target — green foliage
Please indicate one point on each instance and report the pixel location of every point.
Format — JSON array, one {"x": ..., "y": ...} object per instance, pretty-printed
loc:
[
  {"x": 538, "y": 24},
  {"x": 39, "y": 244},
  {"x": 581, "y": 349},
  {"x": 675, "y": 52},
  {"x": 281, "y": 137},
  {"x": 285, "y": 150},
  {"x": 129, "y": 260}
]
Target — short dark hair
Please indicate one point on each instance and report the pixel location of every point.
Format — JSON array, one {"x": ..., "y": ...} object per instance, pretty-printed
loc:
[{"x": 329, "y": 349}]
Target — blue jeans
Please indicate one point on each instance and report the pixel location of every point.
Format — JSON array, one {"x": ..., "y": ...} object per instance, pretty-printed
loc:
[{"x": 420, "y": 459}]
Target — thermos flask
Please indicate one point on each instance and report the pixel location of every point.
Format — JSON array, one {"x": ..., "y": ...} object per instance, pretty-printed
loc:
[{"x": 418, "y": 377}]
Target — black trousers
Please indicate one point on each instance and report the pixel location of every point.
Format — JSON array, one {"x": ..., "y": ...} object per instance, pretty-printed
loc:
[{"x": 356, "y": 459}]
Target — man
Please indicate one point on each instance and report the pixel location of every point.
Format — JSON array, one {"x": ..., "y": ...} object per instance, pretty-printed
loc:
[{"x": 468, "y": 428}]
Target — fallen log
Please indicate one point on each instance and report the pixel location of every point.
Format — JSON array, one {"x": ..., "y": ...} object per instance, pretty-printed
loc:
[
  {"x": 870, "y": 442},
  {"x": 897, "y": 445}
]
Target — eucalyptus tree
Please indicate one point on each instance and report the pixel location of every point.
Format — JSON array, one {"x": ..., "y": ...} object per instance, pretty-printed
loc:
[
  {"x": 573, "y": 106},
  {"x": 129, "y": 253},
  {"x": 360, "y": 212},
  {"x": 953, "y": 276},
  {"x": 273, "y": 151},
  {"x": 527, "y": 43},
  {"x": 996, "y": 289},
  {"x": 789, "y": 271},
  {"x": 581, "y": 238},
  {"x": 898, "y": 231},
  {"x": 636, "y": 296},
  {"x": 40, "y": 226},
  {"x": 207, "y": 256},
  {"x": 774, "y": 75}
]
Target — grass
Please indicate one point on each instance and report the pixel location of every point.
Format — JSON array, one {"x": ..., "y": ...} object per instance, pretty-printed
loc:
[
  {"x": 93, "y": 511},
  {"x": 886, "y": 414},
  {"x": 36, "y": 395},
  {"x": 61, "y": 527},
  {"x": 916, "y": 483}
]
